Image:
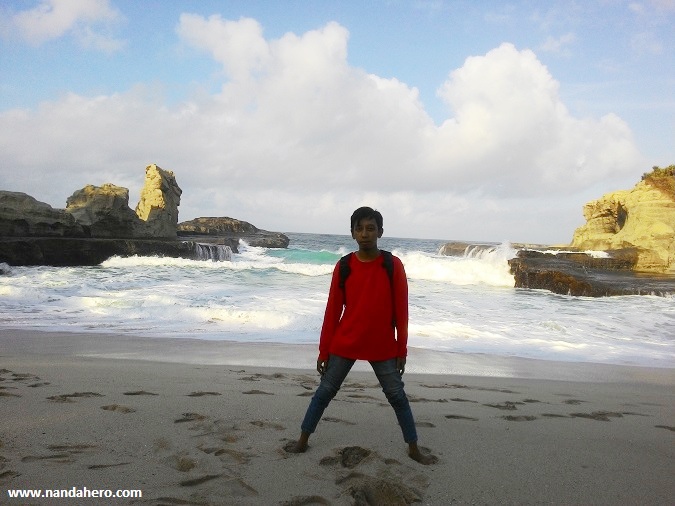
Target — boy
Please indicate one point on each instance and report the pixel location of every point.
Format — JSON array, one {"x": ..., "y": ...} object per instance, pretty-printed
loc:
[{"x": 366, "y": 319}]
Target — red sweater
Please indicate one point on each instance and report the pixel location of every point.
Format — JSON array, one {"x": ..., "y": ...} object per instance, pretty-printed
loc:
[{"x": 363, "y": 331}]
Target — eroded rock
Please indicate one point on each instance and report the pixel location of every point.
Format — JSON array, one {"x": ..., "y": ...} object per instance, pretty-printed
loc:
[
  {"x": 641, "y": 218},
  {"x": 22, "y": 215}
]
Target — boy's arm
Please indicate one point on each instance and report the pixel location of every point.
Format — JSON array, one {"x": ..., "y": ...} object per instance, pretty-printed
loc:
[
  {"x": 331, "y": 317},
  {"x": 401, "y": 303}
]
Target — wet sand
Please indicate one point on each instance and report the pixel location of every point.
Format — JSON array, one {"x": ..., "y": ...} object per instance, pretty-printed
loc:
[{"x": 190, "y": 422}]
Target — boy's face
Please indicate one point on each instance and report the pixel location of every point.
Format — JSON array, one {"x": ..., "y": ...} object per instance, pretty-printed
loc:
[{"x": 366, "y": 233}]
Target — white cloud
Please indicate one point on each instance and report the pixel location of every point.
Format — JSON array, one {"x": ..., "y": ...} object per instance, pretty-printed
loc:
[
  {"x": 52, "y": 19},
  {"x": 512, "y": 135},
  {"x": 296, "y": 139}
]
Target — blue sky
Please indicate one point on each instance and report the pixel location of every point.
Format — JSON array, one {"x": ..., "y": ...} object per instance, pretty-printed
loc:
[{"x": 468, "y": 120}]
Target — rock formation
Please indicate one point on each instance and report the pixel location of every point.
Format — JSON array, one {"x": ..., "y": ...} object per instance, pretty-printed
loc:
[
  {"x": 98, "y": 223},
  {"x": 160, "y": 199},
  {"x": 216, "y": 229},
  {"x": 641, "y": 218},
  {"x": 583, "y": 275},
  {"x": 103, "y": 211},
  {"x": 62, "y": 251},
  {"x": 22, "y": 215}
]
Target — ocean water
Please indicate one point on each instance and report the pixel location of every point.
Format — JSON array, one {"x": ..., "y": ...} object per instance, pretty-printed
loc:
[{"x": 461, "y": 304}]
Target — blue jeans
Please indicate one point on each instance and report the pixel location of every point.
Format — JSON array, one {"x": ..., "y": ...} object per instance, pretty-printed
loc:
[{"x": 390, "y": 381}]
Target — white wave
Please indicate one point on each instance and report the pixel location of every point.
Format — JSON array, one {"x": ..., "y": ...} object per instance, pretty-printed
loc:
[
  {"x": 486, "y": 268},
  {"x": 155, "y": 261},
  {"x": 591, "y": 253}
]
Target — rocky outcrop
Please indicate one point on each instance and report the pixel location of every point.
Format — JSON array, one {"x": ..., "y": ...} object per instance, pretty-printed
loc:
[
  {"x": 59, "y": 251},
  {"x": 98, "y": 223},
  {"x": 580, "y": 274},
  {"x": 22, "y": 215},
  {"x": 103, "y": 211},
  {"x": 215, "y": 229},
  {"x": 642, "y": 218},
  {"x": 160, "y": 199}
]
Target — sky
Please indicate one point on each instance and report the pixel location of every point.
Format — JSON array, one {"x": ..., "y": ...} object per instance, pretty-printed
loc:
[{"x": 457, "y": 119}]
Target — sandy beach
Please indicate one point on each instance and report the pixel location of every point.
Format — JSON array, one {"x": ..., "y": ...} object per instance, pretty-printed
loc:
[{"x": 192, "y": 422}]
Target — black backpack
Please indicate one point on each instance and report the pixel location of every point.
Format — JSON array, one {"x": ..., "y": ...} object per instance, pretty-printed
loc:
[{"x": 388, "y": 264}]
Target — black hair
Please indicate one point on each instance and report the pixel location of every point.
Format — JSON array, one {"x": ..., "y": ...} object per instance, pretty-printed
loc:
[{"x": 366, "y": 213}]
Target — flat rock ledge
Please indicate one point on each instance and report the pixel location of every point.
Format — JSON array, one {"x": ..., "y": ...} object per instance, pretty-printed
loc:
[
  {"x": 61, "y": 251},
  {"x": 580, "y": 274},
  {"x": 217, "y": 229},
  {"x": 573, "y": 272}
]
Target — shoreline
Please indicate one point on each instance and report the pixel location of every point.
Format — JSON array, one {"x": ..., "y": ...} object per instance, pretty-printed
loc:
[
  {"x": 197, "y": 431},
  {"x": 303, "y": 357}
]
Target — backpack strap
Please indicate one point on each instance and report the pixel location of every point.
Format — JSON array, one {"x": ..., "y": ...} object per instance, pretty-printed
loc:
[
  {"x": 345, "y": 270},
  {"x": 387, "y": 263}
]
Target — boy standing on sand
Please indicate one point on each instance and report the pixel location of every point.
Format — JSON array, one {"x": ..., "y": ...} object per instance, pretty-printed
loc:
[{"x": 366, "y": 319}]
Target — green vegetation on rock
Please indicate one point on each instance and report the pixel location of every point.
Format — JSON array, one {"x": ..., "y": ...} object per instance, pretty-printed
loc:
[{"x": 662, "y": 178}]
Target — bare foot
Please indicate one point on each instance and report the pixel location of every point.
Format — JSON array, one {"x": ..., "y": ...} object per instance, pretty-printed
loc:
[
  {"x": 299, "y": 446},
  {"x": 424, "y": 459},
  {"x": 295, "y": 447}
]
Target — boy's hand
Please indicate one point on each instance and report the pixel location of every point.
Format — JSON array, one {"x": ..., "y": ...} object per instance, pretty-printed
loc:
[
  {"x": 400, "y": 365},
  {"x": 321, "y": 366}
]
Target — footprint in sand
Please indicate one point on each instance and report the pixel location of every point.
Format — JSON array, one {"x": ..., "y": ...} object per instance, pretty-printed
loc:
[
  {"x": 366, "y": 489},
  {"x": 337, "y": 420},
  {"x": 203, "y": 394},
  {"x": 672, "y": 429},
  {"x": 191, "y": 417},
  {"x": 106, "y": 466},
  {"x": 39, "y": 384},
  {"x": 198, "y": 481},
  {"x": 257, "y": 392},
  {"x": 508, "y": 405},
  {"x": 485, "y": 389},
  {"x": 24, "y": 376},
  {"x": 602, "y": 416},
  {"x": 522, "y": 418},
  {"x": 139, "y": 392},
  {"x": 258, "y": 377},
  {"x": 65, "y": 454},
  {"x": 460, "y": 417},
  {"x": 267, "y": 425},
  {"x": 348, "y": 457},
  {"x": 412, "y": 398},
  {"x": 60, "y": 458},
  {"x": 8, "y": 475},
  {"x": 362, "y": 396},
  {"x": 227, "y": 454},
  {"x": 306, "y": 500},
  {"x": 68, "y": 397},
  {"x": 118, "y": 408},
  {"x": 181, "y": 462}
]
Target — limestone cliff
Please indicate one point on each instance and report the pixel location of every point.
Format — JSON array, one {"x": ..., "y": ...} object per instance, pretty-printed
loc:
[
  {"x": 160, "y": 199},
  {"x": 642, "y": 218}
]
